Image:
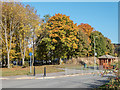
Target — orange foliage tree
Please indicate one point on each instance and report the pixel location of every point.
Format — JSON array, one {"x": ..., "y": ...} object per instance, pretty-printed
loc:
[
  {"x": 86, "y": 28},
  {"x": 62, "y": 32}
]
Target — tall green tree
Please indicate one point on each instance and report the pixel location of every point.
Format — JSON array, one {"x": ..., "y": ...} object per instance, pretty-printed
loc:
[
  {"x": 109, "y": 46},
  {"x": 102, "y": 44},
  {"x": 42, "y": 41}
]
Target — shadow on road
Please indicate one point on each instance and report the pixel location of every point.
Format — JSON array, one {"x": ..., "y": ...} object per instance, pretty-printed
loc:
[
  {"x": 93, "y": 67},
  {"x": 97, "y": 83}
]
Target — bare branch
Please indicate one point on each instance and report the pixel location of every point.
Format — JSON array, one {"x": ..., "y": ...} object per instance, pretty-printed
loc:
[{"x": 2, "y": 40}]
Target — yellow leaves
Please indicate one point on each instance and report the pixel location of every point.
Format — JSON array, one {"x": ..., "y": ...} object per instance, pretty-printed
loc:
[
  {"x": 89, "y": 40},
  {"x": 38, "y": 35},
  {"x": 116, "y": 54},
  {"x": 68, "y": 39},
  {"x": 74, "y": 38},
  {"x": 77, "y": 40},
  {"x": 54, "y": 40},
  {"x": 75, "y": 32},
  {"x": 50, "y": 35},
  {"x": 75, "y": 46},
  {"x": 62, "y": 40},
  {"x": 30, "y": 49},
  {"x": 53, "y": 35},
  {"x": 12, "y": 54},
  {"x": 64, "y": 15},
  {"x": 67, "y": 27},
  {"x": 86, "y": 28},
  {"x": 50, "y": 27},
  {"x": 68, "y": 45},
  {"x": 71, "y": 36},
  {"x": 13, "y": 45},
  {"x": 55, "y": 30},
  {"x": 64, "y": 28},
  {"x": 64, "y": 37}
]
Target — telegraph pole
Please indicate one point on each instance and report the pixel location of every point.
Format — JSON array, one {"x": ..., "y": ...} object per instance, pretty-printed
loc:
[{"x": 94, "y": 54}]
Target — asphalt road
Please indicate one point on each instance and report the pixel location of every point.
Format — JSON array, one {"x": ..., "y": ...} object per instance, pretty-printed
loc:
[{"x": 84, "y": 81}]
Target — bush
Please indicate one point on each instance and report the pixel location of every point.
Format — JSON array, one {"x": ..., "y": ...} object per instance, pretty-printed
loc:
[
  {"x": 25, "y": 65},
  {"x": 11, "y": 65},
  {"x": 114, "y": 82}
]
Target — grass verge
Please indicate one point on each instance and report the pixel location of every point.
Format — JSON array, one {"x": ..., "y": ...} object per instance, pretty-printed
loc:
[
  {"x": 18, "y": 70},
  {"x": 25, "y": 71}
]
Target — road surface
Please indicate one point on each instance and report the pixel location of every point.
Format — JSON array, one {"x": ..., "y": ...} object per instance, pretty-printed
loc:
[{"x": 83, "y": 81}]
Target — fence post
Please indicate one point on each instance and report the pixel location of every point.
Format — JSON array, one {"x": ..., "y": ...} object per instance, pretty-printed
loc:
[{"x": 44, "y": 71}]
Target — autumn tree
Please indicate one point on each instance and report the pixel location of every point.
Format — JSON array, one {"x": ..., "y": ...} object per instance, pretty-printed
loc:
[
  {"x": 17, "y": 22},
  {"x": 29, "y": 27},
  {"x": 9, "y": 24},
  {"x": 83, "y": 44},
  {"x": 42, "y": 32},
  {"x": 62, "y": 31},
  {"x": 64, "y": 39},
  {"x": 87, "y": 29}
]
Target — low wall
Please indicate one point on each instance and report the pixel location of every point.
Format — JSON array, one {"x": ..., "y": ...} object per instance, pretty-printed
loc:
[
  {"x": 86, "y": 60},
  {"x": 82, "y": 60}
]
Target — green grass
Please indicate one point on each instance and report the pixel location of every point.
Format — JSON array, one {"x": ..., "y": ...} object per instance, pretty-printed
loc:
[
  {"x": 39, "y": 69},
  {"x": 25, "y": 71},
  {"x": 69, "y": 66}
]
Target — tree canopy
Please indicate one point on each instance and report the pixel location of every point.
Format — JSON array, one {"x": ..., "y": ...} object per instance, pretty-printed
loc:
[
  {"x": 17, "y": 22},
  {"x": 54, "y": 36},
  {"x": 102, "y": 44}
]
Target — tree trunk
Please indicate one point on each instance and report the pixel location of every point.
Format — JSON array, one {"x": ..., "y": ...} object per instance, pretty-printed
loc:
[
  {"x": 23, "y": 61},
  {"x": 59, "y": 61},
  {"x": 68, "y": 57},
  {"x": 22, "y": 53},
  {"x": 8, "y": 58}
]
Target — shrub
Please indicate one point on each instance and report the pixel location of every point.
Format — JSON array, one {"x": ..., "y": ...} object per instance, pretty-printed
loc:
[
  {"x": 11, "y": 65},
  {"x": 114, "y": 82},
  {"x": 25, "y": 65}
]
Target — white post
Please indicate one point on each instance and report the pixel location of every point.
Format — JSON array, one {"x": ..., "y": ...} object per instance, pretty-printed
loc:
[
  {"x": 111, "y": 61},
  {"x": 30, "y": 64},
  {"x": 107, "y": 61}
]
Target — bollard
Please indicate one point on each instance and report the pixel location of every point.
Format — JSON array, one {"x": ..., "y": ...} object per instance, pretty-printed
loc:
[
  {"x": 34, "y": 70},
  {"x": 85, "y": 65},
  {"x": 44, "y": 71}
]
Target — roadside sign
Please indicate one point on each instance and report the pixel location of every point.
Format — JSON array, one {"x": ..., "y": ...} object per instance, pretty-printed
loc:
[
  {"x": 95, "y": 54},
  {"x": 30, "y": 54}
]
